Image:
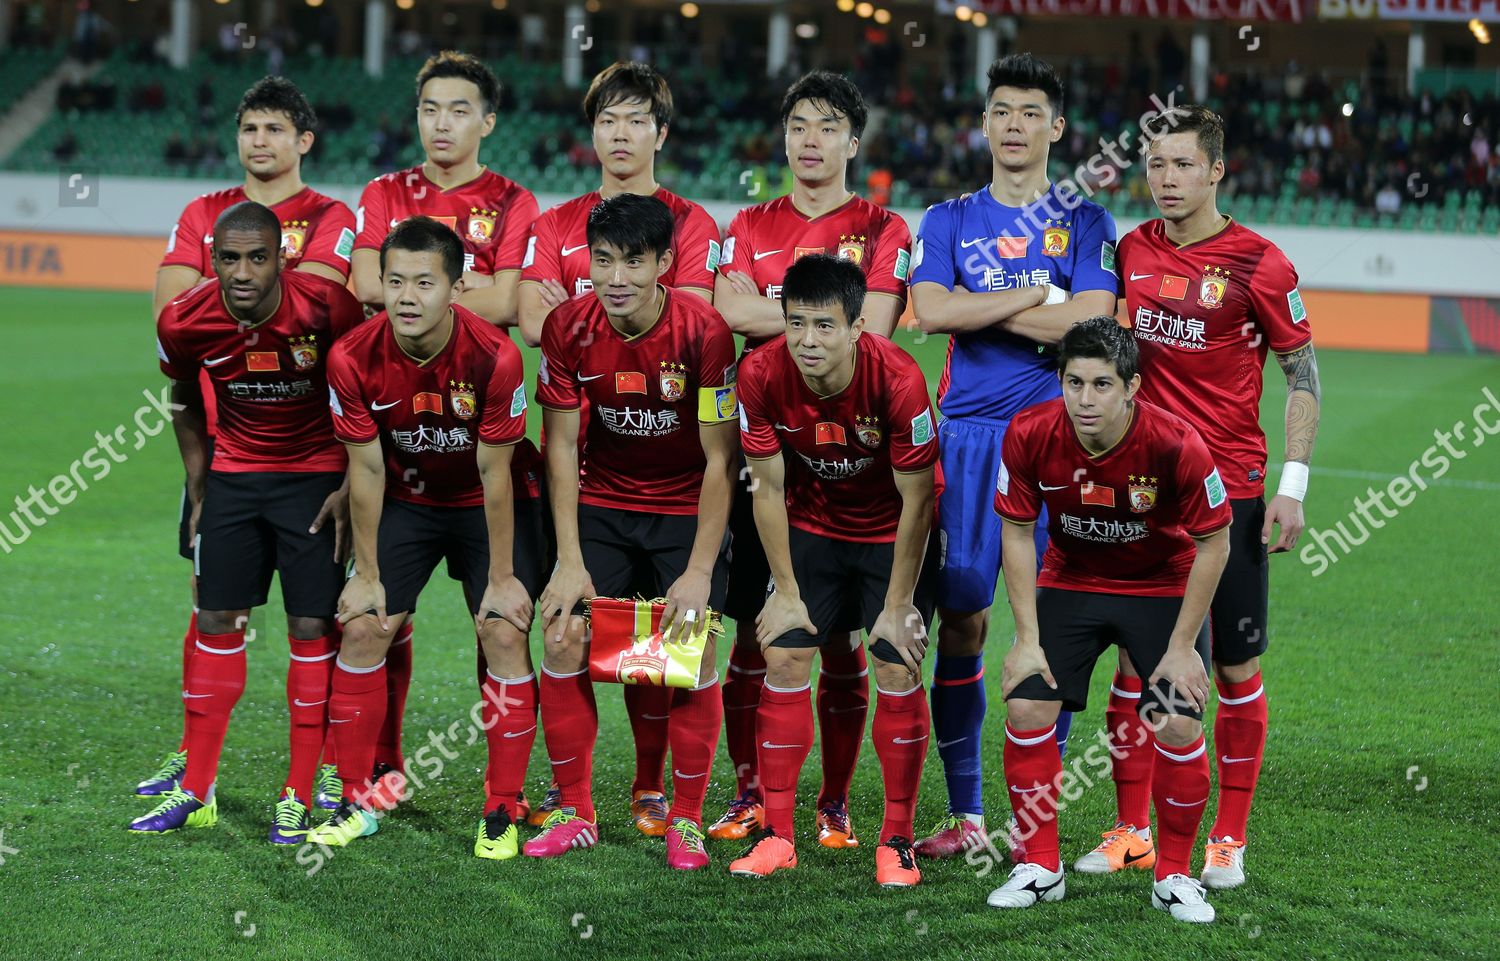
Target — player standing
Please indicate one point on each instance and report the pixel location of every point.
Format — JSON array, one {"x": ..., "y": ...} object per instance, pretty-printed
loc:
[
  {"x": 456, "y": 100},
  {"x": 263, "y": 335},
  {"x": 841, "y": 443},
  {"x": 629, "y": 108},
  {"x": 430, "y": 401},
  {"x": 1005, "y": 271},
  {"x": 275, "y": 127},
  {"x": 643, "y": 510},
  {"x": 1139, "y": 535},
  {"x": 1209, "y": 299},
  {"x": 823, "y": 116}
]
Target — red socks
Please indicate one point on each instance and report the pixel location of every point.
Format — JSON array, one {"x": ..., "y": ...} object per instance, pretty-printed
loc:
[
  {"x": 843, "y": 704},
  {"x": 1240, "y": 741},
  {"x": 1131, "y": 757},
  {"x": 356, "y": 711},
  {"x": 901, "y": 728},
  {"x": 308, "y": 676},
  {"x": 696, "y": 717},
  {"x": 648, "y": 709},
  {"x": 1033, "y": 769},
  {"x": 570, "y": 724},
  {"x": 1180, "y": 790},
  {"x": 189, "y": 645},
  {"x": 784, "y": 726},
  {"x": 398, "y": 680},
  {"x": 747, "y": 675},
  {"x": 509, "y": 716},
  {"x": 216, "y": 679}
]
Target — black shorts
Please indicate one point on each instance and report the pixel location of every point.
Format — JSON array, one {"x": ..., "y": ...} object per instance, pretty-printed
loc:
[
  {"x": 1237, "y": 618},
  {"x": 634, "y": 554},
  {"x": 843, "y": 585},
  {"x": 185, "y": 515},
  {"x": 414, "y": 538},
  {"x": 254, "y": 525},
  {"x": 1076, "y": 627},
  {"x": 749, "y": 572}
]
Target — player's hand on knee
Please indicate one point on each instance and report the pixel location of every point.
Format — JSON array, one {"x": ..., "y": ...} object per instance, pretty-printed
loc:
[
  {"x": 687, "y": 604},
  {"x": 569, "y": 584},
  {"x": 1022, "y": 661},
  {"x": 782, "y": 612},
  {"x": 901, "y": 626},
  {"x": 1287, "y": 512},
  {"x": 1182, "y": 669},
  {"x": 505, "y": 599},
  {"x": 362, "y": 595}
]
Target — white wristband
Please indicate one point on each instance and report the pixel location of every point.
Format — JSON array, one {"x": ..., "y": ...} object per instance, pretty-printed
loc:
[
  {"x": 1055, "y": 295},
  {"x": 1293, "y": 481}
]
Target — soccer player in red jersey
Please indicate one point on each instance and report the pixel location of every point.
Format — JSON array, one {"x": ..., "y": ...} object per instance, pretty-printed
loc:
[
  {"x": 823, "y": 116},
  {"x": 263, "y": 334},
  {"x": 1208, "y": 300},
  {"x": 840, "y": 438},
  {"x": 1139, "y": 533},
  {"x": 629, "y": 107},
  {"x": 456, "y": 100},
  {"x": 275, "y": 125},
  {"x": 643, "y": 510},
  {"x": 430, "y": 401}
]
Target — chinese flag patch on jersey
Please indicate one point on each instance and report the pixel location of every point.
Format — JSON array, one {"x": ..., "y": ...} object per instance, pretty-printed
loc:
[
  {"x": 427, "y": 403},
  {"x": 1174, "y": 288},
  {"x": 1097, "y": 494},
  {"x": 829, "y": 433},
  {"x": 630, "y": 382},
  {"x": 262, "y": 360},
  {"x": 1010, "y": 248}
]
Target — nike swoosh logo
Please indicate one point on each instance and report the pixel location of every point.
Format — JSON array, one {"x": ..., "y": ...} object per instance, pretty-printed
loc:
[
  {"x": 1191, "y": 804},
  {"x": 217, "y": 361},
  {"x": 297, "y": 702},
  {"x": 567, "y": 761},
  {"x": 582, "y": 378},
  {"x": 688, "y": 777},
  {"x": 1057, "y": 488},
  {"x": 970, "y": 243},
  {"x": 1234, "y": 760},
  {"x": 789, "y": 430},
  {"x": 520, "y": 733},
  {"x": 654, "y": 717},
  {"x": 340, "y": 720},
  {"x": 771, "y": 747},
  {"x": 909, "y": 740},
  {"x": 846, "y": 710},
  {"x": 1131, "y": 858},
  {"x": 1136, "y": 276},
  {"x": 573, "y": 250},
  {"x": 954, "y": 741},
  {"x": 1028, "y": 790},
  {"x": 186, "y": 695},
  {"x": 768, "y": 253},
  {"x": 384, "y": 406}
]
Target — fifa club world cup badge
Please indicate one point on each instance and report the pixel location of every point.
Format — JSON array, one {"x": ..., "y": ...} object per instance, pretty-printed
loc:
[
  {"x": 461, "y": 399},
  {"x": 1055, "y": 239},
  {"x": 867, "y": 429},
  {"x": 673, "y": 381},
  {"x": 852, "y": 248},
  {"x": 481, "y": 225},
  {"x": 1142, "y": 493},
  {"x": 304, "y": 351},
  {"x": 293, "y": 238},
  {"x": 1213, "y": 288}
]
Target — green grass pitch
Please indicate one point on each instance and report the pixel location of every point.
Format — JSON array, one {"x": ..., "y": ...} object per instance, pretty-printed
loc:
[{"x": 1373, "y": 834}]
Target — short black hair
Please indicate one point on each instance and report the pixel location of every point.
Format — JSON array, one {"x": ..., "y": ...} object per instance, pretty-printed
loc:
[
  {"x": 1190, "y": 118},
  {"x": 278, "y": 94},
  {"x": 249, "y": 216},
  {"x": 820, "y": 280},
  {"x": 1025, "y": 72},
  {"x": 1101, "y": 338},
  {"x": 465, "y": 66},
  {"x": 833, "y": 89},
  {"x": 422, "y": 235},
  {"x": 633, "y": 224},
  {"x": 627, "y": 81}
]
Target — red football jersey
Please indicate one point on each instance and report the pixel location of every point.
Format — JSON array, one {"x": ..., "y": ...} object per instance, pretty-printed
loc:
[
  {"x": 268, "y": 380},
  {"x": 428, "y": 415},
  {"x": 646, "y": 395},
  {"x": 491, "y": 214},
  {"x": 314, "y": 230},
  {"x": 764, "y": 240},
  {"x": 558, "y": 248},
  {"x": 1121, "y": 522},
  {"x": 839, "y": 451},
  {"x": 1205, "y": 315}
]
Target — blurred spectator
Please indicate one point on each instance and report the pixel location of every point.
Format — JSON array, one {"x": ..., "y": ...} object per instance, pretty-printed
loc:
[
  {"x": 1388, "y": 201},
  {"x": 66, "y": 148}
]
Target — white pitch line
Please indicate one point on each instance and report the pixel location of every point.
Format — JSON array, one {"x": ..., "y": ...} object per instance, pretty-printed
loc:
[{"x": 1476, "y": 485}]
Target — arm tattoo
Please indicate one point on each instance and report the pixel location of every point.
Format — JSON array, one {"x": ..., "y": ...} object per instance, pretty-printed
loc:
[{"x": 1304, "y": 394}]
